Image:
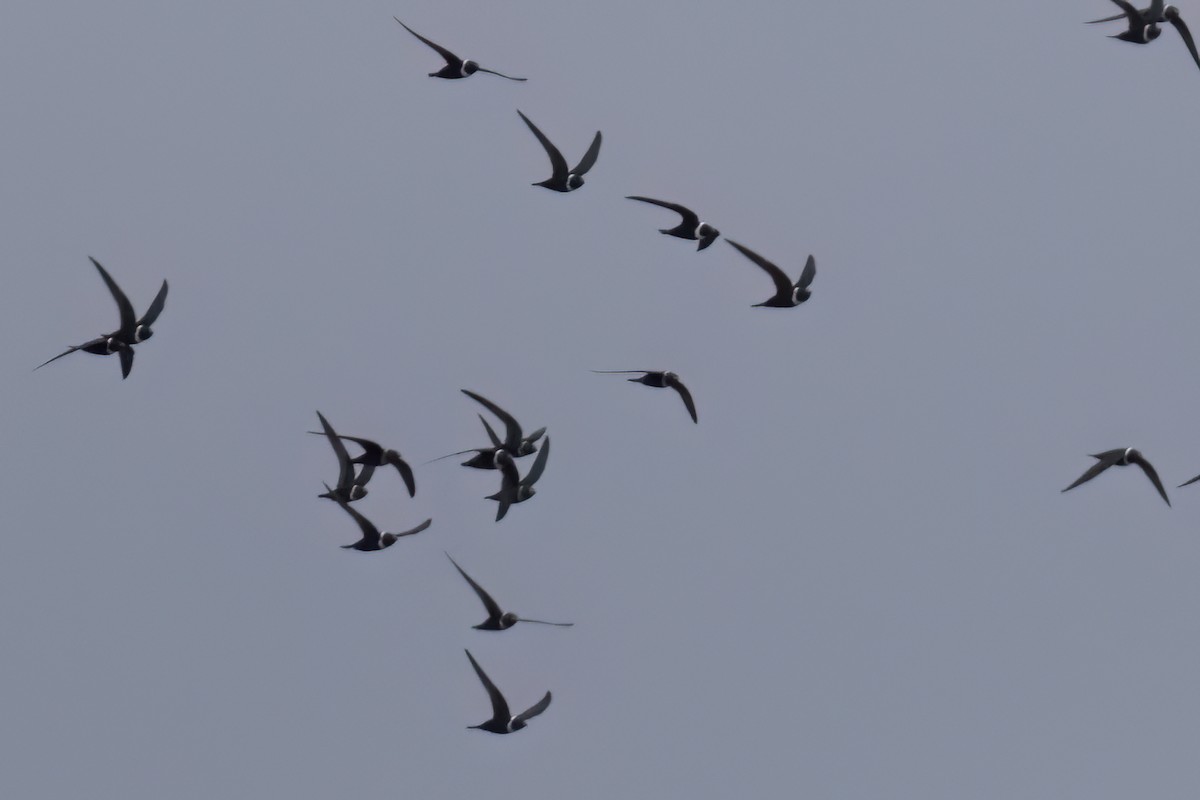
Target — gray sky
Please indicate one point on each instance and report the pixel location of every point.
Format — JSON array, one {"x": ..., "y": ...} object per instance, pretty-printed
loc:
[{"x": 855, "y": 578}]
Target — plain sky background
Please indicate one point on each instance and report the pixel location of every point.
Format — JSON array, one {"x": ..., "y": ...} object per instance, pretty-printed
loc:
[{"x": 855, "y": 578}]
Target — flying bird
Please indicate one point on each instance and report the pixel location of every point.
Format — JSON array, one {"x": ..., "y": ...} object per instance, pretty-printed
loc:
[
  {"x": 787, "y": 294},
  {"x": 1143, "y": 24},
  {"x": 502, "y": 720},
  {"x": 689, "y": 228},
  {"x": 455, "y": 66},
  {"x": 513, "y": 488},
  {"x": 372, "y": 539},
  {"x": 132, "y": 331},
  {"x": 1121, "y": 457},
  {"x": 658, "y": 380},
  {"x": 497, "y": 620},
  {"x": 564, "y": 180},
  {"x": 375, "y": 455},
  {"x": 515, "y": 442},
  {"x": 348, "y": 488}
]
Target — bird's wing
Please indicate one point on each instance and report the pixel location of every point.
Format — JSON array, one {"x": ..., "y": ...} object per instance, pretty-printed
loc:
[
  {"x": 499, "y": 706},
  {"x": 345, "y": 468},
  {"x": 124, "y": 307},
  {"x": 678, "y": 386},
  {"x": 512, "y": 428},
  {"x": 810, "y": 272},
  {"x": 156, "y": 307},
  {"x": 558, "y": 164},
  {"x": 492, "y": 607},
  {"x": 1103, "y": 461},
  {"x": 68, "y": 352},
  {"x": 1152, "y": 474},
  {"x": 126, "y": 355},
  {"x": 534, "y": 710},
  {"x": 406, "y": 473},
  {"x": 370, "y": 533},
  {"x": 443, "y": 52},
  {"x": 417, "y": 529},
  {"x": 1186, "y": 35},
  {"x": 690, "y": 220},
  {"x": 491, "y": 433},
  {"x": 501, "y": 74},
  {"x": 589, "y": 158},
  {"x": 539, "y": 465},
  {"x": 783, "y": 284}
]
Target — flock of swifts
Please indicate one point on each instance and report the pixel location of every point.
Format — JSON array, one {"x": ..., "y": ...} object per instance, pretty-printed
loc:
[{"x": 501, "y": 454}]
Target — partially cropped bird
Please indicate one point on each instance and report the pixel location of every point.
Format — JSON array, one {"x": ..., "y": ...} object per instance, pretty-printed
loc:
[
  {"x": 1143, "y": 24},
  {"x": 658, "y": 380},
  {"x": 497, "y": 620},
  {"x": 564, "y": 179},
  {"x": 455, "y": 66},
  {"x": 1121, "y": 457},
  {"x": 787, "y": 294},
  {"x": 372, "y": 539},
  {"x": 502, "y": 720},
  {"x": 132, "y": 331},
  {"x": 690, "y": 227}
]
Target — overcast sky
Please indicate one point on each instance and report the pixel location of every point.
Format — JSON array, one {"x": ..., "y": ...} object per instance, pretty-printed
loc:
[{"x": 855, "y": 578}]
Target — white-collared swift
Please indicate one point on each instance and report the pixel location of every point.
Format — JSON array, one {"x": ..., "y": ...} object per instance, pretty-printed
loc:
[
  {"x": 1121, "y": 457},
  {"x": 497, "y": 620},
  {"x": 455, "y": 67},
  {"x": 502, "y": 720},
  {"x": 132, "y": 331},
  {"x": 689, "y": 228},
  {"x": 372, "y": 539},
  {"x": 787, "y": 294},
  {"x": 564, "y": 179},
  {"x": 658, "y": 380},
  {"x": 1143, "y": 24}
]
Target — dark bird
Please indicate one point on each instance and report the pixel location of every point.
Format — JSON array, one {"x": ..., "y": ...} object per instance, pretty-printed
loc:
[
  {"x": 513, "y": 488},
  {"x": 348, "y": 487},
  {"x": 515, "y": 442},
  {"x": 1188, "y": 482},
  {"x": 132, "y": 331},
  {"x": 787, "y": 294},
  {"x": 658, "y": 380},
  {"x": 372, "y": 539},
  {"x": 502, "y": 721},
  {"x": 497, "y": 620},
  {"x": 1121, "y": 457},
  {"x": 689, "y": 228},
  {"x": 1143, "y": 24},
  {"x": 375, "y": 455},
  {"x": 564, "y": 180},
  {"x": 455, "y": 66}
]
